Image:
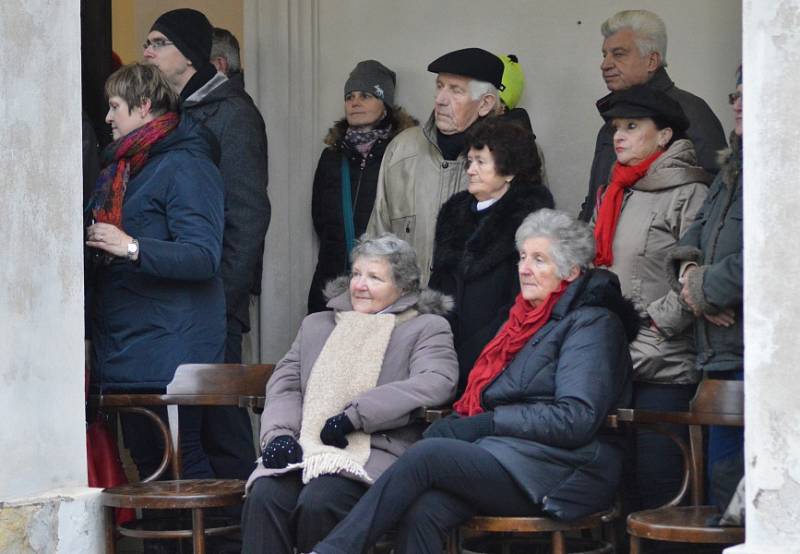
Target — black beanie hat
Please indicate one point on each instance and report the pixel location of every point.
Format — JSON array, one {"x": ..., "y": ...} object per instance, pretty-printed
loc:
[
  {"x": 476, "y": 63},
  {"x": 191, "y": 32},
  {"x": 643, "y": 101}
]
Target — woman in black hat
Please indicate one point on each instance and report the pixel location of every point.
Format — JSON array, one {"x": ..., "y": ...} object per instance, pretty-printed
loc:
[
  {"x": 653, "y": 195},
  {"x": 347, "y": 171}
]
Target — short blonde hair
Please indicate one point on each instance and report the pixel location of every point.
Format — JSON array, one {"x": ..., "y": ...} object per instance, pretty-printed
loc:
[{"x": 137, "y": 82}]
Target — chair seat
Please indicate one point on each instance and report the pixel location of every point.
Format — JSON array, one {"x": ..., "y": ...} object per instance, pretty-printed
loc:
[
  {"x": 183, "y": 494},
  {"x": 535, "y": 524},
  {"x": 682, "y": 524}
]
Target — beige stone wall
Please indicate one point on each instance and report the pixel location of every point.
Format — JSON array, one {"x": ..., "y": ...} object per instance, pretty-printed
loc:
[{"x": 131, "y": 20}]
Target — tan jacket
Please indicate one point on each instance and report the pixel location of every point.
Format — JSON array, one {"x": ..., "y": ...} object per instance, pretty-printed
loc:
[
  {"x": 419, "y": 369},
  {"x": 656, "y": 212},
  {"x": 413, "y": 183}
]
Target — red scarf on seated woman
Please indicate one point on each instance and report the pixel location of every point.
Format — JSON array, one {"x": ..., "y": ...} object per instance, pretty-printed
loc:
[
  {"x": 122, "y": 160},
  {"x": 605, "y": 226},
  {"x": 523, "y": 322}
]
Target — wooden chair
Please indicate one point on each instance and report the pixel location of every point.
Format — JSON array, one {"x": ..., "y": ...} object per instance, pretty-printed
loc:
[
  {"x": 715, "y": 403},
  {"x": 506, "y": 531},
  {"x": 192, "y": 385}
]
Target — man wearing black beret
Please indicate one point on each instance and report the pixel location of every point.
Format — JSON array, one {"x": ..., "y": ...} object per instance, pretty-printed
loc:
[
  {"x": 179, "y": 44},
  {"x": 424, "y": 166}
]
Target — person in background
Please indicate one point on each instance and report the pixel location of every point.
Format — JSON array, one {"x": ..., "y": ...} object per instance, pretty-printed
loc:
[
  {"x": 706, "y": 269},
  {"x": 655, "y": 192},
  {"x": 524, "y": 437},
  {"x": 347, "y": 172},
  {"x": 340, "y": 405},
  {"x": 474, "y": 255},
  {"x": 156, "y": 242},
  {"x": 226, "y": 57},
  {"x": 424, "y": 166},
  {"x": 179, "y": 44},
  {"x": 635, "y": 53}
]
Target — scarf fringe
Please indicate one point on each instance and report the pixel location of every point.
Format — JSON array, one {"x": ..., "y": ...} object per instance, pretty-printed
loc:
[{"x": 335, "y": 461}]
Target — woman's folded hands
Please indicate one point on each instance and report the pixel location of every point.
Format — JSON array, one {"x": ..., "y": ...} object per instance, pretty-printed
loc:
[
  {"x": 467, "y": 429},
  {"x": 282, "y": 451}
]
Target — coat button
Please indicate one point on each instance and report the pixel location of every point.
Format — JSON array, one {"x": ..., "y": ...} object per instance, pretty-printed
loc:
[{"x": 445, "y": 165}]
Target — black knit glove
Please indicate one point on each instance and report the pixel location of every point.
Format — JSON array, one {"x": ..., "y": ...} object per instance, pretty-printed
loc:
[
  {"x": 467, "y": 429},
  {"x": 336, "y": 427},
  {"x": 281, "y": 451}
]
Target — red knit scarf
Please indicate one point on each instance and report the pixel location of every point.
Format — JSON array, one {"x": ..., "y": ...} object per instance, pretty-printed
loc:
[
  {"x": 123, "y": 159},
  {"x": 605, "y": 226},
  {"x": 523, "y": 321}
]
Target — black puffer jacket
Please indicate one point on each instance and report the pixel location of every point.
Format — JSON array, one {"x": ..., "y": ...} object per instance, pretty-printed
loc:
[
  {"x": 475, "y": 262},
  {"x": 326, "y": 202},
  {"x": 551, "y": 401}
]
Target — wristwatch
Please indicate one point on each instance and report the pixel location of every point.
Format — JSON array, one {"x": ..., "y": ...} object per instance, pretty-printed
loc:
[{"x": 133, "y": 249}]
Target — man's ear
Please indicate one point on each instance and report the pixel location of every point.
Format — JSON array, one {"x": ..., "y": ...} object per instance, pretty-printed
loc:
[
  {"x": 221, "y": 64},
  {"x": 653, "y": 62},
  {"x": 487, "y": 105}
]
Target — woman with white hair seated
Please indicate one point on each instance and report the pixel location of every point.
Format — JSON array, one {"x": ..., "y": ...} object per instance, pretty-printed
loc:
[
  {"x": 524, "y": 438},
  {"x": 339, "y": 405}
]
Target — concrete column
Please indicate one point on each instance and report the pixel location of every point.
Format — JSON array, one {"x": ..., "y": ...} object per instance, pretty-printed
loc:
[
  {"x": 44, "y": 503},
  {"x": 772, "y": 263}
]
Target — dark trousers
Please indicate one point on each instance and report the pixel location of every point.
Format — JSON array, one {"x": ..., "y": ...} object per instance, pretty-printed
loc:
[
  {"x": 725, "y": 462},
  {"x": 659, "y": 463},
  {"x": 281, "y": 513},
  {"x": 143, "y": 440},
  {"x": 436, "y": 485}
]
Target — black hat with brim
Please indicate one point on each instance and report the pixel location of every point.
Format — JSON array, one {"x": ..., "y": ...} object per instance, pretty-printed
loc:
[
  {"x": 643, "y": 101},
  {"x": 475, "y": 63}
]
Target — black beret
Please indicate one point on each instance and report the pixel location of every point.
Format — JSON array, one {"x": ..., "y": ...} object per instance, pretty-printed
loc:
[
  {"x": 643, "y": 101},
  {"x": 475, "y": 63},
  {"x": 191, "y": 32}
]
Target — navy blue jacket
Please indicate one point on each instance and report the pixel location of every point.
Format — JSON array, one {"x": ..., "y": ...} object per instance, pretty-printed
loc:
[
  {"x": 550, "y": 403},
  {"x": 168, "y": 309}
]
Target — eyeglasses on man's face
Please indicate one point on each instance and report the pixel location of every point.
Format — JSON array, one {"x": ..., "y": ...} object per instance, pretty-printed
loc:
[
  {"x": 156, "y": 43},
  {"x": 734, "y": 96}
]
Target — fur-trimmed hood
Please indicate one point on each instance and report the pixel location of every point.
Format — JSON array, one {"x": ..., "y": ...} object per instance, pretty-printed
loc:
[
  {"x": 400, "y": 120},
  {"x": 426, "y": 301},
  {"x": 475, "y": 245},
  {"x": 600, "y": 287},
  {"x": 730, "y": 160}
]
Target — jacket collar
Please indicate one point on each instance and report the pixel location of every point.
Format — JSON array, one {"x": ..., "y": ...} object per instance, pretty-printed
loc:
[{"x": 675, "y": 167}]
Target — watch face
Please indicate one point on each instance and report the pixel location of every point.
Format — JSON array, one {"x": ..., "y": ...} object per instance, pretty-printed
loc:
[{"x": 133, "y": 248}]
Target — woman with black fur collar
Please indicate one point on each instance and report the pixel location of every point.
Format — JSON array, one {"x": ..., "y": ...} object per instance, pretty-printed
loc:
[
  {"x": 475, "y": 259},
  {"x": 355, "y": 147}
]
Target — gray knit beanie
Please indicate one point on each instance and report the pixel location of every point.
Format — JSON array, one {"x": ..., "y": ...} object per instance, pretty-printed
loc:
[{"x": 373, "y": 77}]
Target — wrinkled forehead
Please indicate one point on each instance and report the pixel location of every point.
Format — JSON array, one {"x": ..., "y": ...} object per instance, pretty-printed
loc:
[
  {"x": 453, "y": 79},
  {"x": 152, "y": 35}
]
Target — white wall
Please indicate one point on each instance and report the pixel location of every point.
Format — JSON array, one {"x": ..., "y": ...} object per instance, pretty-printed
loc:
[
  {"x": 304, "y": 49},
  {"x": 41, "y": 275}
]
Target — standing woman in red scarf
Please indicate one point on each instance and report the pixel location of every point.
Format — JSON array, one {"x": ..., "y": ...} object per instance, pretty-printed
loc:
[
  {"x": 655, "y": 191},
  {"x": 155, "y": 239},
  {"x": 524, "y": 436}
]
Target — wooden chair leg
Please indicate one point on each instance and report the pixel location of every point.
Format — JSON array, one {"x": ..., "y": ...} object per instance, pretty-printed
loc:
[
  {"x": 453, "y": 545},
  {"x": 198, "y": 531},
  {"x": 559, "y": 545},
  {"x": 110, "y": 531},
  {"x": 636, "y": 545}
]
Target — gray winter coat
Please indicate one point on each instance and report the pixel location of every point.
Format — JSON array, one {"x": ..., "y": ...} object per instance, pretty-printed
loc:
[
  {"x": 239, "y": 128},
  {"x": 656, "y": 212},
  {"x": 419, "y": 369},
  {"x": 714, "y": 242},
  {"x": 705, "y": 132}
]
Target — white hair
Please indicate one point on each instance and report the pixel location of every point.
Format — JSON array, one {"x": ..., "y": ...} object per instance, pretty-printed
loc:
[
  {"x": 571, "y": 240},
  {"x": 478, "y": 88},
  {"x": 650, "y": 31}
]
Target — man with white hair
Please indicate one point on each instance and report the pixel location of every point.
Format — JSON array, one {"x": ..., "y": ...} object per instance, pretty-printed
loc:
[
  {"x": 424, "y": 166},
  {"x": 635, "y": 53}
]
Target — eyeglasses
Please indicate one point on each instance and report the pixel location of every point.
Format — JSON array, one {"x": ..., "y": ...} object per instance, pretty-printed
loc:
[
  {"x": 156, "y": 43},
  {"x": 733, "y": 97}
]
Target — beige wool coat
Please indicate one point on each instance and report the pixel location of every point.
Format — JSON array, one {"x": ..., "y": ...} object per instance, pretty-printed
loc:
[
  {"x": 419, "y": 369},
  {"x": 656, "y": 212}
]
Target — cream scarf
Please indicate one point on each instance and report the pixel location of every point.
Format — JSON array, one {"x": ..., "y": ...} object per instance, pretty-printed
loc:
[{"x": 349, "y": 365}]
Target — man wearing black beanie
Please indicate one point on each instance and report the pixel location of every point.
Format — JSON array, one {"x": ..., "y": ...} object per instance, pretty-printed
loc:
[{"x": 179, "y": 44}]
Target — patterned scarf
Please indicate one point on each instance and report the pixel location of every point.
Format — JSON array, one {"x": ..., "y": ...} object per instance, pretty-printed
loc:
[
  {"x": 523, "y": 322},
  {"x": 122, "y": 160},
  {"x": 605, "y": 226},
  {"x": 362, "y": 140}
]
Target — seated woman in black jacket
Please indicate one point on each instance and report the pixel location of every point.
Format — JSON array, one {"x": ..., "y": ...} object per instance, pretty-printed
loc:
[
  {"x": 474, "y": 256},
  {"x": 524, "y": 438}
]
